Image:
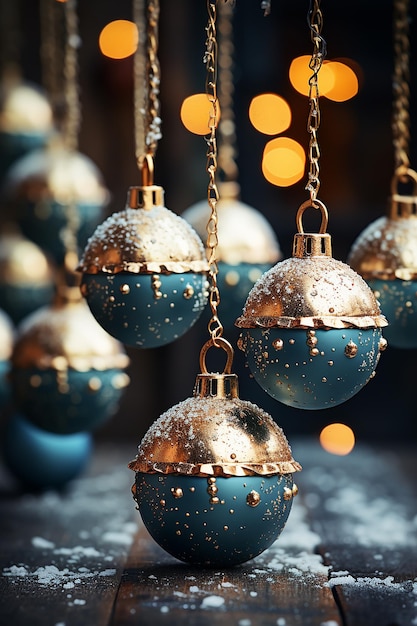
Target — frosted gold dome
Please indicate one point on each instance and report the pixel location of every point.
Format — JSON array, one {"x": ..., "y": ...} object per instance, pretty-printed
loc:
[
  {"x": 6, "y": 336},
  {"x": 311, "y": 290},
  {"x": 213, "y": 435},
  {"x": 22, "y": 262},
  {"x": 24, "y": 109},
  {"x": 245, "y": 236},
  {"x": 58, "y": 174},
  {"x": 149, "y": 239},
  {"x": 65, "y": 335}
]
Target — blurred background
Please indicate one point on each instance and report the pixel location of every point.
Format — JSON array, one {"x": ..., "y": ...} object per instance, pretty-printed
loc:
[{"x": 356, "y": 167}]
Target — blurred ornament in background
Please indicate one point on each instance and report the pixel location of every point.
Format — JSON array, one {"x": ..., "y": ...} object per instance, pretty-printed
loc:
[
  {"x": 26, "y": 275},
  {"x": 144, "y": 271},
  {"x": 67, "y": 374},
  {"x": 212, "y": 469},
  {"x": 6, "y": 347},
  {"x": 41, "y": 460},
  {"x": 26, "y": 121},
  {"x": 385, "y": 254},
  {"x": 311, "y": 325},
  {"x": 53, "y": 193},
  {"x": 246, "y": 249}
]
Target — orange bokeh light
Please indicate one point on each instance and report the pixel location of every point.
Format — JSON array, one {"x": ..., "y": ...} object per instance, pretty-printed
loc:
[
  {"x": 283, "y": 161},
  {"x": 346, "y": 82},
  {"x": 197, "y": 113},
  {"x": 119, "y": 39},
  {"x": 269, "y": 113},
  {"x": 337, "y": 439},
  {"x": 300, "y": 74}
]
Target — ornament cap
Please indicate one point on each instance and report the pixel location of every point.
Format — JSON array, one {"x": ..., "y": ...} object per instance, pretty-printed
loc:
[
  {"x": 209, "y": 385},
  {"x": 145, "y": 197}
]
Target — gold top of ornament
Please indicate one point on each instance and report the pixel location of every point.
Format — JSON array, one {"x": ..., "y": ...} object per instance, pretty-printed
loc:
[
  {"x": 24, "y": 109},
  {"x": 387, "y": 248},
  {"x": 144, "y": 238},
  {"x": 311, "y": 289},
  {"x": 215, "y": 433},
  {"x": 245, "y": 236},
  {"x": 22, "y": 262},
  {"x": 66, "y": 335},
  {"x": 56, "y": 173}
]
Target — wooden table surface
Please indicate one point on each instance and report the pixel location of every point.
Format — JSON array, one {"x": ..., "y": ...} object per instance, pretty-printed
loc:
[{"x": 347, "y": 557}]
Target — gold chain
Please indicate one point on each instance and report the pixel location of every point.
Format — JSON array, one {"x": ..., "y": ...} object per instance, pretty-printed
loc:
[
  {"x": 227, "y": 129},
  {"x": 139, "y": 77},
  {"x": 153, "y": 127},
  {"x": 72, "y": 100},
  {"x": 401, "y": 88},
  {"x": 215, "y": 327},
  {"x": 315, "y": 22}
]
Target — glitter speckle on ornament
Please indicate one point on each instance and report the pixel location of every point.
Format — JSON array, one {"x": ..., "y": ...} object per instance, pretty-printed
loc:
[
  {"x": 311, "y": 326},
  {"x": 144, "y": 272}
]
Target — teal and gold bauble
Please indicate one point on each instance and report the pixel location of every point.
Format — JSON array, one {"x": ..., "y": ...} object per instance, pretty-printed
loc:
[
  {"x": 385, "y": 254},
  {"x": 214, "y": 482},
  {"x": 311, "y": 326},
  {"x": 57, "y": 196},
  {"x": 26, "y": 121},
  {"x": 26, "y": 275},
  {"x": 145, "y": 272},
  {"x": 67, "y": 374},
  {"x": 247, "y": 246}
]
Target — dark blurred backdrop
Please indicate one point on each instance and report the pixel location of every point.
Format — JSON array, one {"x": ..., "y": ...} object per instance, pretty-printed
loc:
[{"x": 356, "y": 168}]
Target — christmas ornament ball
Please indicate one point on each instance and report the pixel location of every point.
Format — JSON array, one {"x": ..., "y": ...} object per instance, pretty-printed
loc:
[
  {"x": 385, "y": 254},
  {"x": 144, "y": 272},
  {"x": 56, "y": 194},
  {"x": 214, "y": 480},
  {"x": 25, "y": 121},
  {"x": 311, "y": 328},
  {"x": 67, "y": 374},
  {"x": 247, "y": 246},
  {"x": 43, "y": 460},
  {"x": 26, "y": 276}
]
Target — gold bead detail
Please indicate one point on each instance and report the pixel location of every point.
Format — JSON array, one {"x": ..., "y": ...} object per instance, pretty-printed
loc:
[
  {"x": 351, "y": 349},
  {"x": 177, "y": 492},
  {"x": 288, "y": 493},
  {"x": 253, "y": 498}
]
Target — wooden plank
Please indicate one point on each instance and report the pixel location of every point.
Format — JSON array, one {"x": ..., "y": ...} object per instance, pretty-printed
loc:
[
  {"x": 62, "y": 554},
  {"x": 283, "y": 586},
  {"x": 363, "y": 506}
]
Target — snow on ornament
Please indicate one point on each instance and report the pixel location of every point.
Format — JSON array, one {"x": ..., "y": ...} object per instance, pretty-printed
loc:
[
  {"x": 67, "y": 374},
  {"x": 311, "y": 326},
  {"x": 145, "y": 271},
  {"x": 246, "y": 249},
  {"x": 385, "y": 255},
  {"x": 214, "y": 474}
]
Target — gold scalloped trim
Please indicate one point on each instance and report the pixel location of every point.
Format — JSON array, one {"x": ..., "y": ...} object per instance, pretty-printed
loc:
[
  {"x": 215, "y": 469},
  {"x": 365, "y": 321},
  {"x": 168, "y": 267}
]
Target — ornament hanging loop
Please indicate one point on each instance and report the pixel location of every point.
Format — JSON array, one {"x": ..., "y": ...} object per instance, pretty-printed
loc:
[
  {"x": 146, "y": 170},
  {"x": 315, "y": 204},
  {"x": 219, "y": 342},
  {"x": 403, "y": 205}
]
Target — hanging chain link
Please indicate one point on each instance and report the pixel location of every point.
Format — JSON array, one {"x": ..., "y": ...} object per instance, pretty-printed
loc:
[
  {"x": 139, "y": 79},
  {"x": 227, "y": 129},
  {"x": 215, "y": 327},
  {"x": 153, "y": 128},
  {"x": 401, "y": 88},
  {"x": 315, "y": 22},
  {"x": 72, "y": 97}
]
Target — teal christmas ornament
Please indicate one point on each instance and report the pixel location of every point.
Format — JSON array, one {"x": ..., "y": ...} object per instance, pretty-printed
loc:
[
  {"x": 6, "y": 347},
  {"x": 247, "y": 246},
  {"x": 26, "y": 121},
  {"x": 41, "y": 460},
  {"x": 385, "y": 255},
  {"x": 67, "y": 374},
  {"x": 26, "y": 275},
  {"x": 311, "y": 326},
  {"x": 145, "y": 271},
  {"x": 57, "y": 195},
  {"x": 214, "y": 481}
]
